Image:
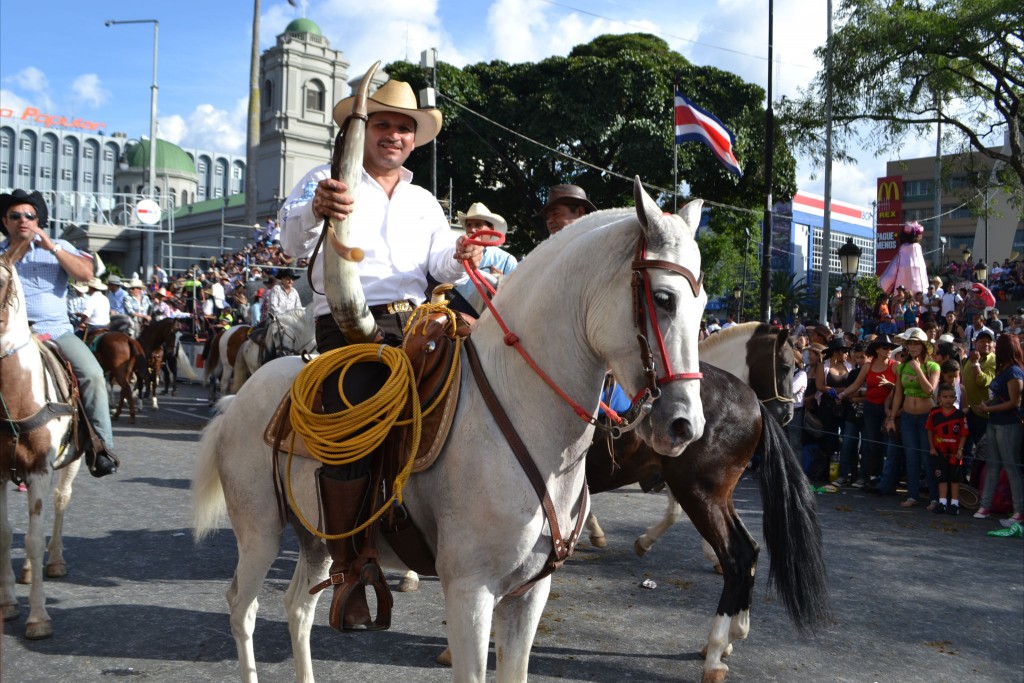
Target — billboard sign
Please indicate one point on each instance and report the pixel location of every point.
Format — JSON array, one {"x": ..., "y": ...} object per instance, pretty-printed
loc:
[{"x": 888, "y": 220}]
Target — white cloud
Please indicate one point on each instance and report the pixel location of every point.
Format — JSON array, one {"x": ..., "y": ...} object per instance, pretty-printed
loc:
[
  {"x": 13, "y": 101},
  {"x": 208, "y": 128},
  {"x": 31, "y": 79},
  {"x": 87, "y": 90}
]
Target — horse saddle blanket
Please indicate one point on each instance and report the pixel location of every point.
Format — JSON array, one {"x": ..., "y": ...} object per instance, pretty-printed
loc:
[{"x": 430, "y": 343}]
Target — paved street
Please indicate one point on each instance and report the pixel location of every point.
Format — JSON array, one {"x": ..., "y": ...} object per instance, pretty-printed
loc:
[{"x": 916, "y": 596}]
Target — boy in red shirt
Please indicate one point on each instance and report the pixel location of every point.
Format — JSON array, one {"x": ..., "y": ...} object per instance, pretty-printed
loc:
[{"x": 947, "y": 431}]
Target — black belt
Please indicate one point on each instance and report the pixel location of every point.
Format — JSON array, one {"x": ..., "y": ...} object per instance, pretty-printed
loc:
[{"x": 402, "y": 306}]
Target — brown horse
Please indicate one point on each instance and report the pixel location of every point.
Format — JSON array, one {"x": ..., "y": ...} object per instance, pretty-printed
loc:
[
  {"x": 703, "y": 479},
  {"x": 119, "y": 355},
  {"x": 163, "y": 335}
]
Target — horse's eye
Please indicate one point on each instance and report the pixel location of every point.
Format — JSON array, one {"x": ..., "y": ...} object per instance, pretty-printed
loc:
[{"x": 665, "y": 300}]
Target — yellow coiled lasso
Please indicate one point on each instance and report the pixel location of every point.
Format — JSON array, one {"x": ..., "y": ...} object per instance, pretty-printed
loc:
[{"x": 358, "y": 430}]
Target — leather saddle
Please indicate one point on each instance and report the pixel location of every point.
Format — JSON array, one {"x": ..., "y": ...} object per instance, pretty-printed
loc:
[{"x": 430, "y": 343}]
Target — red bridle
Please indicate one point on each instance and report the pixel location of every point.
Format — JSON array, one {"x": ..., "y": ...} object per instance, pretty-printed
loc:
[
  {"x": 641, "y": 296},
  {"x": 643, "y": 402}
]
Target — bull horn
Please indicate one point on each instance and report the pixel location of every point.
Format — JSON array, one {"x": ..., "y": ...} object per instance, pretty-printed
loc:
[{"x": 341, "y": 279}]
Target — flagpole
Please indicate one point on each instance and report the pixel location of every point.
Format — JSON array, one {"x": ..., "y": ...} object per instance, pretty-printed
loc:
[
  {"x": 675, "y": 153},
  {"x": 769, "y": 144}
]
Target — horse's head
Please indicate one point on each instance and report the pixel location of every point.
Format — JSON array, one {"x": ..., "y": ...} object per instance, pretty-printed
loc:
[
  {"x": 668, "y": 302},
  {"x": 771, "y": 370}
]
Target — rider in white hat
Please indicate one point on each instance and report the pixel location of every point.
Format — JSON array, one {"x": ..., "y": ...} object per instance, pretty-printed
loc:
[{"x": 496, "y": 262}]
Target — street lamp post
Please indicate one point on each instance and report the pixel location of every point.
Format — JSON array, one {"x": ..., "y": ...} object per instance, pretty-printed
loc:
[
  {"x": 796, "y": 310},
  {"x": 849, "y": 263},
  {"x": 981, "y": 273},
  {"x": 428, "y": 98},
  {"x": 737, "y": 295},
  {"x": 148, "y": 238}
]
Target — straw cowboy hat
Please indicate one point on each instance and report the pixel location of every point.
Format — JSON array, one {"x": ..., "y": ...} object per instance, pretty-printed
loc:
[
  {"x": 136, "y": 283},
  {"x": 479, "y": 211},
  {"x": 80, "y": 287},
  {"x": 916, "y": 334},
  {"x": 96, "y": 283},
  {"x": 396, "y": 96},
  {"x": 22, "y": 197},
  {"x": 574, "y": 195}
]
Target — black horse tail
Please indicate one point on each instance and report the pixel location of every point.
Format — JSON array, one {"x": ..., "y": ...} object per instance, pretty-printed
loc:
[{"x": 791, "y": 529}]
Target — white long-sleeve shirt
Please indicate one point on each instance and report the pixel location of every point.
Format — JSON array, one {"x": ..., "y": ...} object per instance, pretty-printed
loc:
[{"x": 405, "y": 237}]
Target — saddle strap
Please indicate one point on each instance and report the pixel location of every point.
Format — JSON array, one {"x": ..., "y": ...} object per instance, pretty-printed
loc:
[
  {"x": 561, "y": 548},
  {"x": 44, "y": 415}
]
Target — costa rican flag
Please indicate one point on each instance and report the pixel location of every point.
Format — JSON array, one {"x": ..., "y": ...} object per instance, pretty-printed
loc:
[{"x": 694, "y": 124}]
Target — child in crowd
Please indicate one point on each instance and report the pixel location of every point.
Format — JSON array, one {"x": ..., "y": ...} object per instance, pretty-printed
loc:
[
  {"x": 947, "y": 431},
  {"x": 949, "y": 373}
]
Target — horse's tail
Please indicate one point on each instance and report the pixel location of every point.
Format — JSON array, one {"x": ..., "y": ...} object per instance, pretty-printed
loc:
[
  {"x": 140, "y": 363},
  {"x": 791, "y": 528},
  {"x": 208, "y": 504},
  {"x": 211, "y": 363}
]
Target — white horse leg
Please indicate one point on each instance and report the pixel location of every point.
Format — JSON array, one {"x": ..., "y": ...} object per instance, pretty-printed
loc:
[
  {"x": 255, "y": 555},
  {"x": 718, "y": 646},
  {"x": 8, "y": 600},
  {"x": 468, "y": 611},
  {"x": 646, "y": 541},
  {"x": 310, "y": 570},
  {"x": 55, "y": 565},
  {"x": 38, "y": 625},
  {"x": 596, "y": 532},
  {"x": 515, "y": 626},
  {"x": 410, "y": 582}
]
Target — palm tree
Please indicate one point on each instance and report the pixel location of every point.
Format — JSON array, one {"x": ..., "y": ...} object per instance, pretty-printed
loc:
[{"x": 786, "y": 292}]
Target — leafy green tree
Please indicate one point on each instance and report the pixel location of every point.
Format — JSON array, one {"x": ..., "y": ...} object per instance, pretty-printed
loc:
[
  {"x": 609, "y": 103},
  {"x": 902, "y": 66},
  {"x": 786, "y": 292}
]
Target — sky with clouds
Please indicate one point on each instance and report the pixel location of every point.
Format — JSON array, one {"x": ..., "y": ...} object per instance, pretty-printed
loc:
[{"x": 76, "y": 66}]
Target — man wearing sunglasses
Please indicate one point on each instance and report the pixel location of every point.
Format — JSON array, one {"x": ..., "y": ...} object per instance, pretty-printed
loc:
[{"x": 44, "y": 270}]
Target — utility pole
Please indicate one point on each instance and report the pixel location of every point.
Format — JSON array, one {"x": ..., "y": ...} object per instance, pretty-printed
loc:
[
  {"x": 253, "y": 134},
  {"x": 769, "y": 147}
]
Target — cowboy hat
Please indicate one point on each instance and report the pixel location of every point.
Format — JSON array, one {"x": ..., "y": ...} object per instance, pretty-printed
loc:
[
  {"x": 479, "y": 211},
  {"x": 817, "y": 348},
  {"x": 96, "y": 283},
  {"x": 396, "y": 96},
  {"x": 135, "y": 283},
  {"x": 918, "y": 335},
  {"x": 114, "y": 280},
  {"x": 574, "y": 195},
  {"x": 160, "y": 292},
  {"x": 882, "y": 340},
  {"x": 80, "y": 287},
  {"x": 285, "y": 273},
  {"x": 22, "y": 197},
  {"x": 836, "y": 344},
  {"x": 937, "y": 281}
]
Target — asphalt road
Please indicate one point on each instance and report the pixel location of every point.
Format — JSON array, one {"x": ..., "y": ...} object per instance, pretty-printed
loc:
[{"x": 916, "y": 596}]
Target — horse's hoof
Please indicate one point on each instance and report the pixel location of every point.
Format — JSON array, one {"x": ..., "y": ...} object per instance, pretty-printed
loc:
[
  {"x": 639, "y": 549},
  {"x": 56, "y": 570},
  {"x": 598, "y": 542},
  {"x": 39, "y": 630},
  {"x": 9, "y": 612},
  {"x": 714, "y": 675},
  {"x": 408, "y": 584},
  {"x": 445, "y": 658}
]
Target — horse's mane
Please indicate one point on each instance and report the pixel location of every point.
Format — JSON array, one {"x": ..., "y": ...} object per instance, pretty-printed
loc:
[{"x": 730, "y": 333}]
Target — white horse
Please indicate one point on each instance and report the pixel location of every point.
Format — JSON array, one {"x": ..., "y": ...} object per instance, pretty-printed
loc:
[
  {"x": 490, "y": 537},
  {"x": 29, "y": 449},
  {"x": 288, "y": 334}
]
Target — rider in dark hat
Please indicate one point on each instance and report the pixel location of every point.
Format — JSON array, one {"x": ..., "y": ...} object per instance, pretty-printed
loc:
[{"x": 565, "y": 204}]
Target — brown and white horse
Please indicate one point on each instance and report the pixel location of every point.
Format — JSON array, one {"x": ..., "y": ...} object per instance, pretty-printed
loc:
[
  {"x": 29, "y": 448},
  {"x": 219, "y": 368}
]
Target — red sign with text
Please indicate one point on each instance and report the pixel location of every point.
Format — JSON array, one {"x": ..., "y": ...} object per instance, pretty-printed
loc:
[{"x": 888, "y": 219}]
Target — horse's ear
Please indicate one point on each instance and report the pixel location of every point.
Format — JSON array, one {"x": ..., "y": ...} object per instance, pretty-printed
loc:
[
  {"x": 691, "y": 215},
  {"x": 647, "y": 211}
]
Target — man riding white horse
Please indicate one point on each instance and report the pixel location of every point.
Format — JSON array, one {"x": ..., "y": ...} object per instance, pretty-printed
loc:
[{"x": 408, "y": 238}]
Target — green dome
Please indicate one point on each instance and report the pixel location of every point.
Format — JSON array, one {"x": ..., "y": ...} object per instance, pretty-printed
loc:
[
  {"x": 169, "y": 157},
  {"x": 303, "y": 25}
]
